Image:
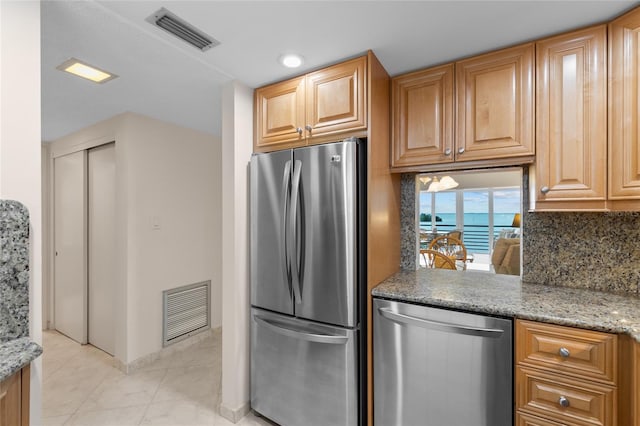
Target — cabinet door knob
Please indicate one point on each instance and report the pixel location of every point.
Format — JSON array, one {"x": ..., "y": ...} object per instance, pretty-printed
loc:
[
  {"x": 564, "y": 402},
  {"x": 460, "y": 150},
  {"x": 309, "y": 128},
  {"x": 564, "y": 352},
  {"x": 299, "y": 130},
  {"x": 447, "y": 151},
  {"x": 544, "y": 189}
]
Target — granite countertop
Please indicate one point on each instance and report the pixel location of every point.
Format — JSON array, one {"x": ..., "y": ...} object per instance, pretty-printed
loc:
[
  {"x": 15, "y": 354},
  {"x": 506, "y": 295}
]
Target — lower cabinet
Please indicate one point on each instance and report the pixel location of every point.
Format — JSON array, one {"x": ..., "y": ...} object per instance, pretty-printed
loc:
[
  {"x": 527, "y": 420},
  {"x": 14, "y": 399},
  {"x": 566, "y": 400},
  {"x": 565, "y": 376},
  {"x": 629, "y": 382}
]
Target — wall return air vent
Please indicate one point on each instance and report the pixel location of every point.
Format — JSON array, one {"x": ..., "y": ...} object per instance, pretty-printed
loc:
[
  {"x": 183, "y": 30},
  {"x": 185, "y": 311}
]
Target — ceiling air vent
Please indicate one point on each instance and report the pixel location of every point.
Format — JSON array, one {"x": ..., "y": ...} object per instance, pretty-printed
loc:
[{"x": 181, "y": 29}]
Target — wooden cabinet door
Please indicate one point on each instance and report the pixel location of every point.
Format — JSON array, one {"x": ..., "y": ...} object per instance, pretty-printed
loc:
[
  {"x": 571, "y": 120},
  {"x": 14, "y": 399},
  {"x": 495, "y": 105},
  {"x": 279, "y": 115},
  {"x": 336, "y": 98},
  {"x": 10, "y": 409},
  {"x": 422, "y": 123},
  {"x": 624, "y": 98},
  {"x": 629, "y": 386}
]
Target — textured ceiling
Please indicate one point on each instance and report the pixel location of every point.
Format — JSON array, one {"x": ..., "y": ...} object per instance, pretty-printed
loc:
[{"x": 167, "y": 79}]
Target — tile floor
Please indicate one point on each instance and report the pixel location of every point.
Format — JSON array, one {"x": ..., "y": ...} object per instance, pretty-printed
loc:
[{"x": 82, "y": 387}]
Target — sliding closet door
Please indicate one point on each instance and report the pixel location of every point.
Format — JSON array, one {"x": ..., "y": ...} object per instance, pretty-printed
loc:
[
  {"x": 70, "y": 278},
  {"x": 102, "y": 246}
]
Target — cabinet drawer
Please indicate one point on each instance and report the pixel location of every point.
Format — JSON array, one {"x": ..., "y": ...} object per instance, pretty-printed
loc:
[
  {"x": 580, "y": 353},
  {"x": 528, "y": 420},
  {"x": 540, "y": 393}
]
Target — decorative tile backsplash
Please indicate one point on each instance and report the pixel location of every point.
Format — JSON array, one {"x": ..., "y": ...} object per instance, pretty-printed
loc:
[
  {"x": 598, "y": 251},
  {"x": 14, "y": 270}
]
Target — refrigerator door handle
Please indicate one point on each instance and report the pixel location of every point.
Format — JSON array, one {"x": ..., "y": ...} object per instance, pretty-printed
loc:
[
  {"x": 439, "y": 326},
  {"x": 286, "y": 181},
  {"x": 309, "y": 337},
  {"x": 293, "y": 236}
]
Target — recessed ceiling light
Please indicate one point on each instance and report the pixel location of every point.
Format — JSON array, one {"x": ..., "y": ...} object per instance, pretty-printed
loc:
[
  {"x": 291, "y": 60},
  {"x": 84, "y": 70}
]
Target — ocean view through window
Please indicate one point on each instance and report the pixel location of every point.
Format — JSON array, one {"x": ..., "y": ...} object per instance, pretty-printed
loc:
[{"x": 483, "y": 207}]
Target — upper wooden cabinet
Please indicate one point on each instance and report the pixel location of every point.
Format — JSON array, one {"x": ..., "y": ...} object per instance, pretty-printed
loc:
[
  {"x": 624, "y": 98},
  {"x": 571, "y": 121},
  {"x": 323, "y": 105},
  {"x": 495, "y": 103},
  {"x": 336, "y": 98},
  {"x": 423, "y": 111},
  {"x": 580, "y": 164},
  {"x": 279, "y": 113},
  {"x": 478, "y": 111}
]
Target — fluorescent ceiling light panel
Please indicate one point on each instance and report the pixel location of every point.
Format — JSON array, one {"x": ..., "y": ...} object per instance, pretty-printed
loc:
[{"x": 84, "y": 70}]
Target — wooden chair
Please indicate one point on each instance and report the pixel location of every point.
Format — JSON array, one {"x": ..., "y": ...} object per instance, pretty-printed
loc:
[
  {"x": 435, "y": 259},
  {"x": 450, "y": 246},
  {"x": 455, "y": 234}
]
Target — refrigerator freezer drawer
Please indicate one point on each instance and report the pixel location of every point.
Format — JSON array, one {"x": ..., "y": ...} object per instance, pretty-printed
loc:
[
  {"x": 436, "y": 367},
  {"x": 303, "y": 373}
]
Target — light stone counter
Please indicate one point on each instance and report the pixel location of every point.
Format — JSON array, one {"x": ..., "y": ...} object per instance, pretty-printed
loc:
[
  {"x": 16, "y": 349},
  {"x": 506, "y": 295},
  {"x": 15, "y": 354}
]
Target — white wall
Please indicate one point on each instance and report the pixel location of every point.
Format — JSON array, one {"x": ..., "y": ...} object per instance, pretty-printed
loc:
[
  {"x": 169, "y": 175},
  {"x": 173, "y": 178},
  {"x": 237, "y": 146},
  {"x": 20, "y": 176}
]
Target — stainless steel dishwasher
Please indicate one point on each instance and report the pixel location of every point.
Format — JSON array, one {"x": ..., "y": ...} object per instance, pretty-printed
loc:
[{"x": 436, "y": 367}]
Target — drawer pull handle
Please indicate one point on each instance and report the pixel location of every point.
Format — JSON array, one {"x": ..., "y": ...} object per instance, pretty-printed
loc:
[
  {"x": 564, "y": 402},
  {"x": 564, "y": 352}
]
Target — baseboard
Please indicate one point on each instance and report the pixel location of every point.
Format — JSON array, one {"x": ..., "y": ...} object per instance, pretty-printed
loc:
[
  {"x": 235, "y": 416},
  {"x": 148, "y": 359}
]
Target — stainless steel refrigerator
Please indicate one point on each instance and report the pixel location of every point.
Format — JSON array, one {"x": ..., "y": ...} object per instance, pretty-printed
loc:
[{"x": 308, "y": 241}]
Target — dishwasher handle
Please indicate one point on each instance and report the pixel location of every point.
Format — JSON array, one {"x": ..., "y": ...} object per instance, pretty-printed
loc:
[{"x": 440, "y": 326}]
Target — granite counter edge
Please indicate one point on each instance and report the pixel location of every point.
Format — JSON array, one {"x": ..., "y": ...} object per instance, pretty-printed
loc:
[
  {"x": 16, "y": 354},
  {"x": 633, "y": 332}
]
